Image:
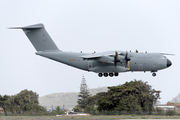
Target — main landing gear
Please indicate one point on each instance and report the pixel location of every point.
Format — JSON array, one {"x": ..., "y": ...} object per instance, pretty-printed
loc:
[{"x": 108, "y": 74}]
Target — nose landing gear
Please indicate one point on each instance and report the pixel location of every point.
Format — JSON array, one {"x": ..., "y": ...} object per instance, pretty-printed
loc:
[{"x": 154, "y": 74}]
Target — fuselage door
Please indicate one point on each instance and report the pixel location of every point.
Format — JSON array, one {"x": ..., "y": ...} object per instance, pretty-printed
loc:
[
  {"x": 90, "y": 64},
  {"x": 140, "y": 66}
]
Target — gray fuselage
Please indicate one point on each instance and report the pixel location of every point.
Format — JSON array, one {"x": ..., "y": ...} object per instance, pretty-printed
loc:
[{"x": 139, "y": 62}]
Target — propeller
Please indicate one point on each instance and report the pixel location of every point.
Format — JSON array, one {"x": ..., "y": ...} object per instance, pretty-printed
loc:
[
  {"x": 116, "y": 58},
  {"x": 126, "y": 59}
]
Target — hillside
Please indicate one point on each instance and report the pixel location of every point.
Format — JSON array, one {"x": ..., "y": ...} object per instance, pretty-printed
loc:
[
  {"x": 68, "y": 99},
  {"x": 176, "y": 99}
]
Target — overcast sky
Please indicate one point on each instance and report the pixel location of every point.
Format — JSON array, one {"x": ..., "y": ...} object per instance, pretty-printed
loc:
[{"x": 87, "y": 25}]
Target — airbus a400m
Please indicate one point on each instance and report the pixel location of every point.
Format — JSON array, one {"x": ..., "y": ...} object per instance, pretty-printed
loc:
[{"x": 109, "y": 63}]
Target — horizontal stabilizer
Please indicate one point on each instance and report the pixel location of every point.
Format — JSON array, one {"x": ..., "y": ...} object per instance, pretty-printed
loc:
[{"x": 36, "y": 26}]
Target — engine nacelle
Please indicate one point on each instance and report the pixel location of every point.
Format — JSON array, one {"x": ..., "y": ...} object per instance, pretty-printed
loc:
[{"x": 106, "y": 59}]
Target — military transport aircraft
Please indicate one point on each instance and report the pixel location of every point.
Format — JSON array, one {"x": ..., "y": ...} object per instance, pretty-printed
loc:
[{"x": 109, "y": 63}]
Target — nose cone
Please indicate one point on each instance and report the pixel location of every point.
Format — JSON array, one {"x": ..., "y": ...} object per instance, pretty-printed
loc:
[{"x": 168, "y": 63}]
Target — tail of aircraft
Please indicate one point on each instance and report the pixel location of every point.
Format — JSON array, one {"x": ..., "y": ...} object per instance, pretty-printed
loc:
[{"x": 39, "y": 37}]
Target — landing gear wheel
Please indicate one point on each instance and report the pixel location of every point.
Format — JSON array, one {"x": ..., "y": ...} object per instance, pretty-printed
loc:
[
  {"x": 111, "y": 74},
  {"x": 100, "y": 74},
  {"x": 105, "y": 74},
  {"x": 154, "y": 74},
  {"x": 116, "y": 74}
]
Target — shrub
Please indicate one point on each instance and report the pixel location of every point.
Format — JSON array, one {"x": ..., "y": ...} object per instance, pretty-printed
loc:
[{"x": 170, "y": 113}]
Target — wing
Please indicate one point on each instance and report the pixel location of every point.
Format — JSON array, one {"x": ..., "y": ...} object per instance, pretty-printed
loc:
[
  {"x": 104, "y": 57},
  {"x": 91, "y": 56},
  {"x": 99, "y": 55}
]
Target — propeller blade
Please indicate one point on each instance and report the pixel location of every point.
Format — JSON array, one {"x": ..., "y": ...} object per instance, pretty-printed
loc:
[
  {"x": 126, "y": 55},
  {"x": 116, "y": 58},
  {"x": 126, "y": 59}
]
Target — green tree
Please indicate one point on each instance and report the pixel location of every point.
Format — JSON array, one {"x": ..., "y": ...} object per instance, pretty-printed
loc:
[
  {"x": 27, "y": 100},
  {"x": 59, "y": 110},
  {"x": 23, "y": 101},
  {"x": 11, "y": 105},
  {"x": 93, "y": 100},
  {"x": 83, "y": 95},
  {"x": 77, "y": 108},
  {"x": 131, "y": 96},
  {"x": 42, "y": 108},
  {"x": 3, "y": 102},
  {"x": 91, "y": 110}
]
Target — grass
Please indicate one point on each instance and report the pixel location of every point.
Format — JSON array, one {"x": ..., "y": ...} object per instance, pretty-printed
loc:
[{"x": 91, "y": 117}]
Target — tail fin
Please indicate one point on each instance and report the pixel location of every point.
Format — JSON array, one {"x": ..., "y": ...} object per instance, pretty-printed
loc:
[{"x": 39, "y": 37}]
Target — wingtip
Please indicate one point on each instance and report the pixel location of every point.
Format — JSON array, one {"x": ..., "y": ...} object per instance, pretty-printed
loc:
[{"x": 167, "y": 54}]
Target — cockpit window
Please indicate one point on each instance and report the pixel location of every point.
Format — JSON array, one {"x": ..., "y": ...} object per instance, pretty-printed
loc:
[{"x": 162, "y": 57}]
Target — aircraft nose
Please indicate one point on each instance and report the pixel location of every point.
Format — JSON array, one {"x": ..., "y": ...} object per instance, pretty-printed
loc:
[{"x": 168, "y": 63}]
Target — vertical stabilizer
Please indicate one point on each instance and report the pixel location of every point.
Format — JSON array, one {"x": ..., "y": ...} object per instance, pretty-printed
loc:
[{"x": 39, "y": 37}]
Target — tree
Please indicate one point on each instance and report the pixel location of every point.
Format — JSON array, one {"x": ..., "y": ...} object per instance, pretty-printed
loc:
[
  {"x": 3, "y": 102},
  {"x": 91, "y": 110},
  {"x": 27, "y": 100},
  {"x": 131, "y": 96},
  {"x": 42, "y": 109},
  {"x": 60, "y": 110},
  {"x": 23, "y": 101},
  {"x": 84, "y": 94},
  {"x": 11, "y": 105},
  {"x": 93, "y": 100},
  {"x": 77, "y": 108}
]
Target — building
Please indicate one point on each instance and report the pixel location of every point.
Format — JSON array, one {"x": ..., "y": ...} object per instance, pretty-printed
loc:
[
  {"x": 165, "y": 107},
  {"x": 176, "y": 106}
]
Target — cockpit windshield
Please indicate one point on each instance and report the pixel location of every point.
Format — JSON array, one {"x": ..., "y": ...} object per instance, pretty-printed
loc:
[{"x": 162, "y": 57}]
